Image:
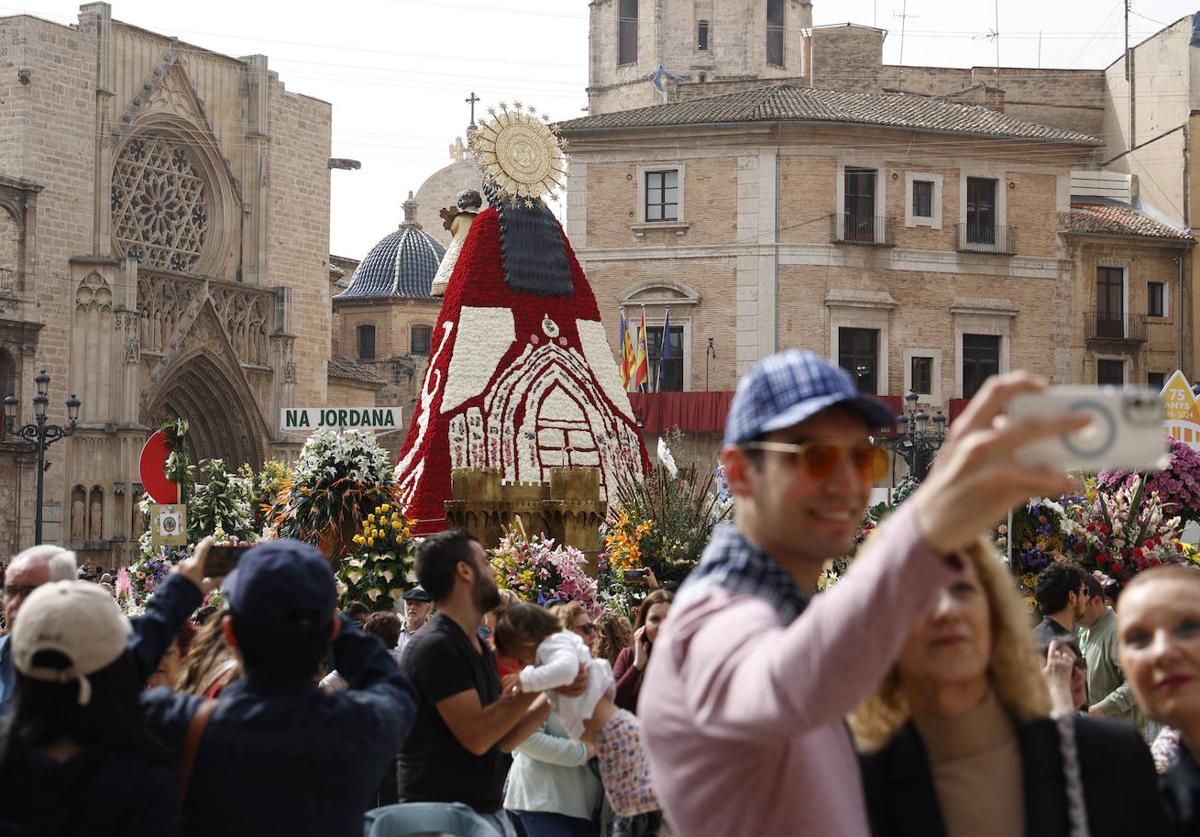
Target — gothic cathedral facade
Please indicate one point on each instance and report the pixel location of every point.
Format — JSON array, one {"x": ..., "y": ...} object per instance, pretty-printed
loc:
[{"x": 164, "y": 246}]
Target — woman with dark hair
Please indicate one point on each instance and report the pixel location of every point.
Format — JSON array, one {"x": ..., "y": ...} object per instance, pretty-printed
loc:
[
  {"x": 77, "y": 726},
  {"x": 631, "y": 663}
]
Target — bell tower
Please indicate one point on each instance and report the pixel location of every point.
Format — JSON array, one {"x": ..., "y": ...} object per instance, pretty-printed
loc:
[{"x": 695, "y": 42}]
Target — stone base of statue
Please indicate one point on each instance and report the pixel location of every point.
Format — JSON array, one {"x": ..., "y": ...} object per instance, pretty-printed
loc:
[{"x": 567, "y": 509}]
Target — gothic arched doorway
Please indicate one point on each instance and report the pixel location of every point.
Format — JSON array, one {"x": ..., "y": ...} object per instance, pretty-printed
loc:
[{"x": 222, "y": 416}]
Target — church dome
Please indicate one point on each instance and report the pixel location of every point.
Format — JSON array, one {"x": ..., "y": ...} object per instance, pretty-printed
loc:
[{"x": 402, "y": 265}]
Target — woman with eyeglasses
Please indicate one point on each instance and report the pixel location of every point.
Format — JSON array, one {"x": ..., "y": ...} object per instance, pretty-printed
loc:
[
  {"x": 961, "y": 739},
  {"x": 574, "y": 617},
  {"x": 631, "y": 663},
  {"x": 1158, "y": 628}
]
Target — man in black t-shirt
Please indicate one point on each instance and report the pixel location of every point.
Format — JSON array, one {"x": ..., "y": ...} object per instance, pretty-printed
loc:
[{"x": 463, "y": 725}]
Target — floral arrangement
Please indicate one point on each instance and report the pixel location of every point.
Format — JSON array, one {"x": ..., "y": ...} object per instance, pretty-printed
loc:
[
  {"x": 221, "y": 502},
  {"x": 137, "y": 583},
  {"x": 1177, "y": 485},
  {"x": 1037, "y": 535},
  {"x": 1121, "y": 532},
  {"x": 538, "y": 570},
  {"x": 666, "y": 521},
  {"x": 338, "y": 478},
  {"x": 382, "y": 562},
  {"x": 268, "y": 483}
]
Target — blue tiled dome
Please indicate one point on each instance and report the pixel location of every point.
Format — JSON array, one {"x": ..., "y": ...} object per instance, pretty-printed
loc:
[{"x": 401, "y": 265}]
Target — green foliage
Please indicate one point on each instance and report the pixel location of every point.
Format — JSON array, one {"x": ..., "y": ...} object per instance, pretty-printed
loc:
[
  {"x": 380, "y": 565},
  {"x": 665, "y": 522},
  {"x": 220, "y": 504},
  {"x": 178, "y": 468}
]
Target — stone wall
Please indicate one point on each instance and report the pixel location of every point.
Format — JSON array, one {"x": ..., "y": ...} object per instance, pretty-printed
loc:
[
  {"x": 922, "y": 293},
  {"x": 47, "y": 137},
  {"x": 299, "y": 228}
]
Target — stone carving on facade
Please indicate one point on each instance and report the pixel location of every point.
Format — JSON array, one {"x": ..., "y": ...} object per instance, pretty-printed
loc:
[
  {"x": 131, "y": 343},
  {"x": 171, "y": 96},
  {"x": 94, "y": 294},
  {"x": 162, "y": 303},
  {"x": 159, "y": 203},
  {"x": 244, "y": 315}
]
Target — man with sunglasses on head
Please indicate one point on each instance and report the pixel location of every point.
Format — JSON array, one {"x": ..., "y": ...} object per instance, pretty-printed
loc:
[
  {"x": 744, "y": 698},
  {"x": 31, "y": 569}
]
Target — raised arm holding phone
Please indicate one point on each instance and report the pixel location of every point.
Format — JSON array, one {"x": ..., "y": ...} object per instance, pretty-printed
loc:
[{"x": 745, "y": 694}]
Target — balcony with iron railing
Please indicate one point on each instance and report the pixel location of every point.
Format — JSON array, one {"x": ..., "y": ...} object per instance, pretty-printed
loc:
[
  {"x": 1110, "y": 327},
  {"x": 987, "y": 238},
  {"x": 869, "y": 230}
]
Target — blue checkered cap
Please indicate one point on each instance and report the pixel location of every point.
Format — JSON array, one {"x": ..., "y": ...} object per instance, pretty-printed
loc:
[{"x": 789, "y": 387}]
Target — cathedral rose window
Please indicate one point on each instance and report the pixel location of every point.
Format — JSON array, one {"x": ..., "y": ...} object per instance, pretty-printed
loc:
[{"x": 159, "y": 204}]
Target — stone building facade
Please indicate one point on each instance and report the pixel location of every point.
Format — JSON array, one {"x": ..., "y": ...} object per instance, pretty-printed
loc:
[
  {"x": 164, "y": 247},
  {"x": 921, "y": 243},
  {"x": 699, "y": 188}
]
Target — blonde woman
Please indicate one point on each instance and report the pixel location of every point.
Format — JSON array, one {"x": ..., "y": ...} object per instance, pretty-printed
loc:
[
  {"x": 575, "y": 617},
  {"x": 613, "y": 635},
  {"x": 958, "y": 740}
]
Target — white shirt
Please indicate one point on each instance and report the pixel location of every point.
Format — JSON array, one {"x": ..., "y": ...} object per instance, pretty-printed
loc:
[{"x": 556, "y": 664}]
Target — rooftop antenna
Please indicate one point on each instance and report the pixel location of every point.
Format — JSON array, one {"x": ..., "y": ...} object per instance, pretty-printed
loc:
[
  {"x": 1127, "y": 46},
  {"x": 904, "y": 16},
  {"x": 993, "y": 35}
]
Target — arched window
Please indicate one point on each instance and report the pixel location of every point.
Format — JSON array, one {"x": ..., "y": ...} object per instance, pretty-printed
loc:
[
  {"x": 627, "y": 32},
  {"x": 702, "y": 36},
  {"x": 775, "y": 33},
  {"x": 366, "y": 342}
]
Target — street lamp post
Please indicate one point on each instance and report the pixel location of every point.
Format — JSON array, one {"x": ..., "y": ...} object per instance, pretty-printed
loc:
[
  {"x": 39, "y": 434},
  {"x": 915, "y": 440}
]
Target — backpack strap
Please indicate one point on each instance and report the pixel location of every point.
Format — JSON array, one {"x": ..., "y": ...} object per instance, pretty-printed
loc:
[{"x": 191, "y": 744}]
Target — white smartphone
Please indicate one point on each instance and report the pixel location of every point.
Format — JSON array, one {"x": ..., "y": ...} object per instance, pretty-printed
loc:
[{"x": 1128, "y": 428}]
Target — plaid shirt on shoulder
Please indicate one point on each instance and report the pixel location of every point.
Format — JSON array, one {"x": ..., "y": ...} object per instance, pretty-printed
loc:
[{"x": 734, "y": 563}]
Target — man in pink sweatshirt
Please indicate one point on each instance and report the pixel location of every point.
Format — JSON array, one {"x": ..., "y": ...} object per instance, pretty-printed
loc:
[{"x": 746, "y": 690}]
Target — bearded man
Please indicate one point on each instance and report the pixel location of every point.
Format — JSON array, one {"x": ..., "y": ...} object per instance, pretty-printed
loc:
[{"x": 463, "y": 726}]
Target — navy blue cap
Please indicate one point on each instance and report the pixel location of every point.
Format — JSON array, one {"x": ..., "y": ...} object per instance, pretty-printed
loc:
[
  {"x": 789, "y": 387},
  {"x": 277, "y": 578},
  {"x": 417, "y": 594}
]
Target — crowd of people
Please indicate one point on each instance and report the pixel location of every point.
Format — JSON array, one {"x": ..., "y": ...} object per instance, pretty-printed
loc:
[{"x": 915, "y": 697}]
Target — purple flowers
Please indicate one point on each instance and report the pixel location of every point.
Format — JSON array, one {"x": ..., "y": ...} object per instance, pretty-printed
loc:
[{"x": 1177, "y": 487}]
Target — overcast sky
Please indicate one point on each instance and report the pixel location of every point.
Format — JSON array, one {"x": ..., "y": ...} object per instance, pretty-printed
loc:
[{"x": 397, "y": 71}]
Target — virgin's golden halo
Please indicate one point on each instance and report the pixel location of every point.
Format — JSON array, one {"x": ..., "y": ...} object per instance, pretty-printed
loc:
[{"x": 519, "y": 153}]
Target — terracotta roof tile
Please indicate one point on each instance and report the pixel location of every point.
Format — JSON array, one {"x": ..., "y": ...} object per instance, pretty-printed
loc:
[
  {"x": 1113, "y": 219},
  {"x": 350, "y": 369},
  {"x": 788, "y": 103}
]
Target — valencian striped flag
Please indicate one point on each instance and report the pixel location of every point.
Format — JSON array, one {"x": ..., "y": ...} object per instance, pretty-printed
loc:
[
  {"x": 627, "y": 356},
  {"x": 639, "y": 376}
]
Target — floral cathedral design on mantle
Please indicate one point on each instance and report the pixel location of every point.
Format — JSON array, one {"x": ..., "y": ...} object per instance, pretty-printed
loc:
[{"x": 521, "y": 378}]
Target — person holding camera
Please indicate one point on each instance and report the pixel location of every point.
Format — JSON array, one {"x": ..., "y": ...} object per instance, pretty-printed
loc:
[
  {"x": 274, "y": 754},
  {"x": 746, "y": 693},
  {"x": 631, "y": 662}
]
